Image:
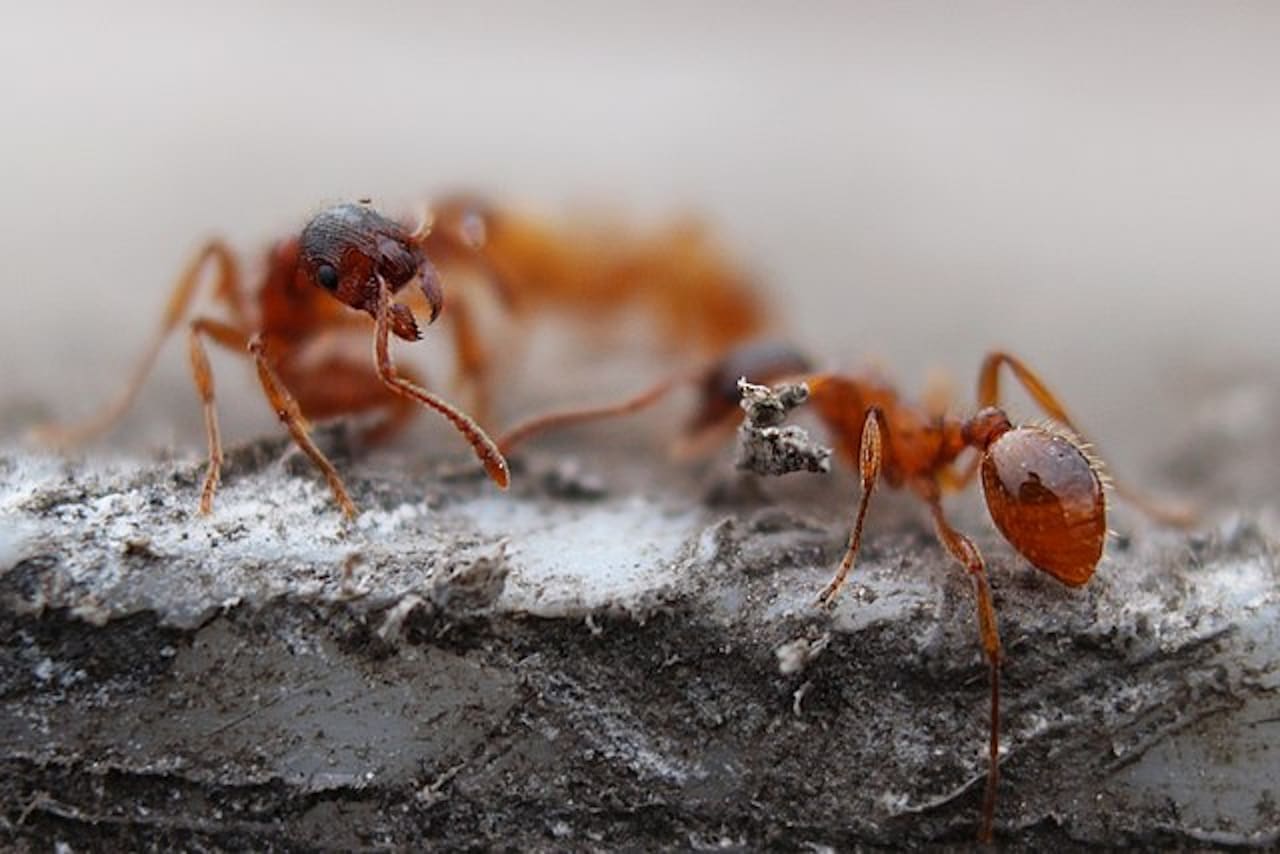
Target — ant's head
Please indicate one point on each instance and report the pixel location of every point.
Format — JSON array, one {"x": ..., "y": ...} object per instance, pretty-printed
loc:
[
  {"x": 757, "y": 361},
  {"x": 349, "y": 249},
  {"x": 1044, "y": 493}
]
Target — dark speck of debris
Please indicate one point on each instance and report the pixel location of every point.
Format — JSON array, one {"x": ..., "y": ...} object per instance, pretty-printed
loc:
[{"x": 140, "y": 547}]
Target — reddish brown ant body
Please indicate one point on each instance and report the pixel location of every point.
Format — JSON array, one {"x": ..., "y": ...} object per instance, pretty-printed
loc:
[
  {"x": 1043, "y": 489},
  {"x": 347, "y": 257},
  {"x": 701, "y": 304}
]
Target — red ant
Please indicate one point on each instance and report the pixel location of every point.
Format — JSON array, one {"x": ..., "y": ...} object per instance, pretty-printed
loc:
[
  {"x": 702, "y": 304},
  {"x": 347, "y": 257},
  {"x": 1043, "y": 489}
]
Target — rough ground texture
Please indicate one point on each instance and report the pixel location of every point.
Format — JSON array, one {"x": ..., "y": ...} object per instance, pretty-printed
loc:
[{"x": 614, "y": 655}]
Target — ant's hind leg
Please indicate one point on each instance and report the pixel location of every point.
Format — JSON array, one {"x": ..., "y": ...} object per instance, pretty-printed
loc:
[
  {"x": 989, "y": 386},
  {"x": 233, "y": 339},
  {"x": 870, "y": 458},
  {"x": 227, "y": 287},
  {"x": 286, "y": 408},
  {"x": 963, "y": 550},
  {"x": 989, "y": 395},
  {"x": 952, "y": 480}
]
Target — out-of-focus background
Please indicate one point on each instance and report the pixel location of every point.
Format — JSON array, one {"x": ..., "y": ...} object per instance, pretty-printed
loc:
[{"x": 1094, "y": 186}]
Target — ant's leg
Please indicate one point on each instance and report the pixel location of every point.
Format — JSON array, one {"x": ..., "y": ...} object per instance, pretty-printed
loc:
[
  {"x": 286, "y": 408},
  {"x": 989, "y": 386},
  {"x": 963, "y": 550},
  {"x": 541, "y": 423},
  {"x": 488, "y": 453},
  {"x": 471, "y": 359},
  {"x": 233, "y": 339},
  {"x": 227, "y": 285},
  {"x": 870, "y": 456},
  {"x": 989, "y": 395}
]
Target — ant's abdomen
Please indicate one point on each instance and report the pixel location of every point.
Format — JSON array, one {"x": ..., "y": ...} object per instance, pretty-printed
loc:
[{"x": 1046, "y": 498}]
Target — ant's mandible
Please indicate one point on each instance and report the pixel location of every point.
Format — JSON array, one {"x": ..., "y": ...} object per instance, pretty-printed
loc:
[
  {"x": 347, "y": 257},
  {"x": 1043, "y": 489}
]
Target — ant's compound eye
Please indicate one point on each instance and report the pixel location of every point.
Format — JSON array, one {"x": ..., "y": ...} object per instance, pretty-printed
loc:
[
  {"x": 1046, "y": 498},
  {"x": 328, "y": 277}
]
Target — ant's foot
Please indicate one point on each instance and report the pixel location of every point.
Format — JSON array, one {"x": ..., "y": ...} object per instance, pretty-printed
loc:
[{"x": 827, "y": 598}]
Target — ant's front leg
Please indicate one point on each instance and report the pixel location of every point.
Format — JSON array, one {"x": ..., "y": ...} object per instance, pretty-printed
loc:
[
  {"x": 495, "y": 465},
  {"x": 870, "y": 458},
  {"x": 289, "y": 413}
]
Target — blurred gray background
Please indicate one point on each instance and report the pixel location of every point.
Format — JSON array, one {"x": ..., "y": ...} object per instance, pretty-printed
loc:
[{"x": 1094, "y": 186}]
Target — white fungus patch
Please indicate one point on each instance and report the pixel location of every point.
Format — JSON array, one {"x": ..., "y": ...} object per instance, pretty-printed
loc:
[
  {"x": 124, "y": 541},
  {"x": 615, "y": 553}
]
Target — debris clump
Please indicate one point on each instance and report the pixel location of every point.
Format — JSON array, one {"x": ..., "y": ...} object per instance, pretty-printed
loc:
[{"x": 767, "y": 448}]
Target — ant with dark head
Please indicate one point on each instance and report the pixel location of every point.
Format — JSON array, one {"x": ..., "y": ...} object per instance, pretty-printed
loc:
[
  {"x": 347, "y": 257},
  {"x": 699, "y": 302},
  {"x": 1043, "y": 488}
]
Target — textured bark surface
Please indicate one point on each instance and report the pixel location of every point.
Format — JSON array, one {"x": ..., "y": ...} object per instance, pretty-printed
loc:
[{"x": 614, "y": 654}]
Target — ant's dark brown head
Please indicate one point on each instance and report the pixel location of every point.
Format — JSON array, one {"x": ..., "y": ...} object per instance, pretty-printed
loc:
[
  {"x": 349, "y": 250},
  {"x": 1045, "y": 494},
  {"x": 759, "y": 362}
]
